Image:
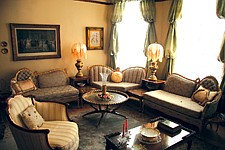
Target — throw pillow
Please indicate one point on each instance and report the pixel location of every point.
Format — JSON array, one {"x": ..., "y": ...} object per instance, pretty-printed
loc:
[
  {"x": 24, "y": 86},
  {"x": 31, "y": 118},
  {"x": 203, "y": 95},
  {"x": 52, "y": 78},
  {"x": 117, "y": 76},
  {"x": 180, "y": 85}
]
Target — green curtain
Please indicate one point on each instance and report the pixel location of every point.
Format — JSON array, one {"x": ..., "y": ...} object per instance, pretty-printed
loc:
[
  {"x": 175, "y": 14},
  {"x": 113, "y": 40},
  {"x": 220, "y": 11},
  {"x": 148, "y": 11}
]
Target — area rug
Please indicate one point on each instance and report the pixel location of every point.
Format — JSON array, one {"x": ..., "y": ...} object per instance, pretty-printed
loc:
[{"x": 92, "y": 137}]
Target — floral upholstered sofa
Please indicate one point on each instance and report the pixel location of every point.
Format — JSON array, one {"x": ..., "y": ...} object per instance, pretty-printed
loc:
[
  {"x": 192, "y": 101},
  {"x": 52, "y": 85},
  {"x": 124, "y": 80}
]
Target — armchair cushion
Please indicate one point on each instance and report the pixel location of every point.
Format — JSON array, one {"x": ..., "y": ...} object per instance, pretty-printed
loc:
[
  {"x": 62, "y": 135},
  {"x": 31, "y": 118}
]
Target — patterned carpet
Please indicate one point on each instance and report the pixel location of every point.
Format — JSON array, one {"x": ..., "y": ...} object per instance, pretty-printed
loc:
[{"x": 92, "y": 138}]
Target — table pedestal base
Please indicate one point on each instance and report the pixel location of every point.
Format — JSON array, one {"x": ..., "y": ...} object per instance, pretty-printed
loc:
[{"x": 103, "y": 112}]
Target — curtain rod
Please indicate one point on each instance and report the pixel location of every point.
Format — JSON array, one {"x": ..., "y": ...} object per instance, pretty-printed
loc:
[{"x": 106, "y": 3}]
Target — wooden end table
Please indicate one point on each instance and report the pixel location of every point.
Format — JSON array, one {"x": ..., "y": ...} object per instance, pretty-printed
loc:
[
  {"x": 103, "y": 106},
  {"x": 74, "y": 81},
  {"x": 147, "y": 85},
  {"x": 167, "y": 141}
]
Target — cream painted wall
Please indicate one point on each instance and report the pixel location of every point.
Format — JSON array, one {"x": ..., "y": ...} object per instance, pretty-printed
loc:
[{"x": 72, "y": 17}]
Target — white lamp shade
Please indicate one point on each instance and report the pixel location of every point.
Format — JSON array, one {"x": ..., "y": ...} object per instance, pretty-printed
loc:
[
  {"x": 79, "y": 50},
  {"x": 155, "y": 52}
]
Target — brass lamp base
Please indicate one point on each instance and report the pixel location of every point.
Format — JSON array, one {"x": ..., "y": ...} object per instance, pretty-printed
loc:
[
  {"x": 153, "y": 68},
  {"x": 79, "y": 66}
]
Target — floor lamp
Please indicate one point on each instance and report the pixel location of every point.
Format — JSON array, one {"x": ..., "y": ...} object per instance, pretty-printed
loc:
[
  {"x": 79, "y": 51},
  {"x": 154, "y": 53}
]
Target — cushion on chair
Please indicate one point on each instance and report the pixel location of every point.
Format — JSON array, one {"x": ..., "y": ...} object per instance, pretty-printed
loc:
[
  {"x": 16, "y": 106},
  {"x": 203, "y": 95},
  {"x": 117, "y": 76},
  {"x": 179, "y": 85},
  {"x": 63, "y": 134},
  {"x": 52, "y": 79},
  {"x": 24, "y": 85},
  {"x": 32, "y": 118}
]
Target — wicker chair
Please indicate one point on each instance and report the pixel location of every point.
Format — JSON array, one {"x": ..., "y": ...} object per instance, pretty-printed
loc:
[{"x": 56, "y": 132}]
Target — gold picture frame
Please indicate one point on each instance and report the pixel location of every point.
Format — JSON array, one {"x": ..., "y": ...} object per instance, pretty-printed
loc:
[
  {"x": 95, "y": 38},
  {"x": 35, "y": 41}
]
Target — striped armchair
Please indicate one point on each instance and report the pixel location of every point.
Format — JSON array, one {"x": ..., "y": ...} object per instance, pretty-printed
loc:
[
  {"x": 56, "y": 131},
  {"x": 131, "y": 77}
]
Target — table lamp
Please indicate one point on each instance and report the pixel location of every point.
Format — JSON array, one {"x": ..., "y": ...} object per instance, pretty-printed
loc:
[
  {"x": 79, "y": 51},
  {"x": 154, "y": 53}
]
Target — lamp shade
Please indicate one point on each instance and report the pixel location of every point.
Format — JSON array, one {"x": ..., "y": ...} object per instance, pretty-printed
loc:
[
  {"x": 79, "y": 50},
  {"x": 155, "y": 52}
]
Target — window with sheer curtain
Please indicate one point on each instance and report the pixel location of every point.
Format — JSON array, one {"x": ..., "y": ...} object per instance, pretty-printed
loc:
[
  {"x": 200, "y": 34},
  {"x": 131, "y": 34}
]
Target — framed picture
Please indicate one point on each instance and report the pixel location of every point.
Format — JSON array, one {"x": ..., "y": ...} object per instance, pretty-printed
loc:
[
  {"x": 35, "y": 41},
  {"x": 94, "y": 38}
]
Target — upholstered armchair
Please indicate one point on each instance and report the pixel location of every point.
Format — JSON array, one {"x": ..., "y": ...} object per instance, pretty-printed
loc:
[{"x": 52, "y": 130}]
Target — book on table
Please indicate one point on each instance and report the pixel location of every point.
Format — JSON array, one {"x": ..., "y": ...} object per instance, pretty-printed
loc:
[{"x": 169, "y": 126}]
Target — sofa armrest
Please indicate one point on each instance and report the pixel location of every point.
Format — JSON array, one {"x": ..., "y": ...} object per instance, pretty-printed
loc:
[
  {"x": 211, "y": 107},
  {"x": 52, "y": 111}
]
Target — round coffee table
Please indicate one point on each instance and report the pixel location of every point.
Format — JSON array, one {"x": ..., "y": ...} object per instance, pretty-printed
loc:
[{"x": 103, "y": 106}]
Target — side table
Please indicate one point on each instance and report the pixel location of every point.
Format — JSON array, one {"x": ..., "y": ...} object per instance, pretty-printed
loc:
[
  {"x": 147, "y": 85},
  {"x": 74, "y": 81}
]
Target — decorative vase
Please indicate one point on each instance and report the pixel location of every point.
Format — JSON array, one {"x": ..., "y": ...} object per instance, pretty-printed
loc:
[{"x": 104, "y": 80}]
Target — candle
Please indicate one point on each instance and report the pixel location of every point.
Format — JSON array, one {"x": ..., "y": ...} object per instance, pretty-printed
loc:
[
  {"x": 123, "y": 129},
  {"x": 126, "y": 124}
]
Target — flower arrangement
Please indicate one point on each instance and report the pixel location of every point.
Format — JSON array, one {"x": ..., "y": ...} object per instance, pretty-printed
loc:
[{"x": 105, "y": 96}]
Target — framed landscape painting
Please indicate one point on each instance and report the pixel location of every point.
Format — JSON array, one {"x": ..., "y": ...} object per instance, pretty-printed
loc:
[
  {"x": 35, "y": 41},
  {"x": 94, "y": 38}
]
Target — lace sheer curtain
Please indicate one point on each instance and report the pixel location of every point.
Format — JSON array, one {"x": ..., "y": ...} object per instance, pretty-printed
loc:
[
  {"x": 200, "y": 33},
  {"x": 131, "y": 34}
]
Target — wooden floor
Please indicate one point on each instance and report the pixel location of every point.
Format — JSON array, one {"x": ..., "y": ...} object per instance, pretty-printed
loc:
[{"x": 208, "y": 134}]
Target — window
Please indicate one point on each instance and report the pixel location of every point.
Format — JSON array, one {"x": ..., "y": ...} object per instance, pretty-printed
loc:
[
  {"x": 199, "y": 39},
  {"x": 131, "y": 35}
]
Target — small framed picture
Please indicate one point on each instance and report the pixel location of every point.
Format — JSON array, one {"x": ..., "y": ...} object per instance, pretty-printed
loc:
[
  {"x": 35, "y": 41},
  {"x": 95, "y": 38}
]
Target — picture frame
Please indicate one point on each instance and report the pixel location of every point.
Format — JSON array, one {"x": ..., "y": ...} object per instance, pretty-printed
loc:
[
  {"x": 95, "y": 38},
  {"x": 35, "y": 41}
]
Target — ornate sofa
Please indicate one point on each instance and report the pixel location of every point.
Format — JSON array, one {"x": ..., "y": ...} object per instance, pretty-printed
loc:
[
  {"x": 131, "y": 77},
  {"x": 52, "y": 85},
  {"x": 191, "y": 101},
  {"x": 41, "y": 125}
]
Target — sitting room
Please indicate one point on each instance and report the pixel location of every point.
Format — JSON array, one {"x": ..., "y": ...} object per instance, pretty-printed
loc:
[{"x": 112, "y": 74}]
